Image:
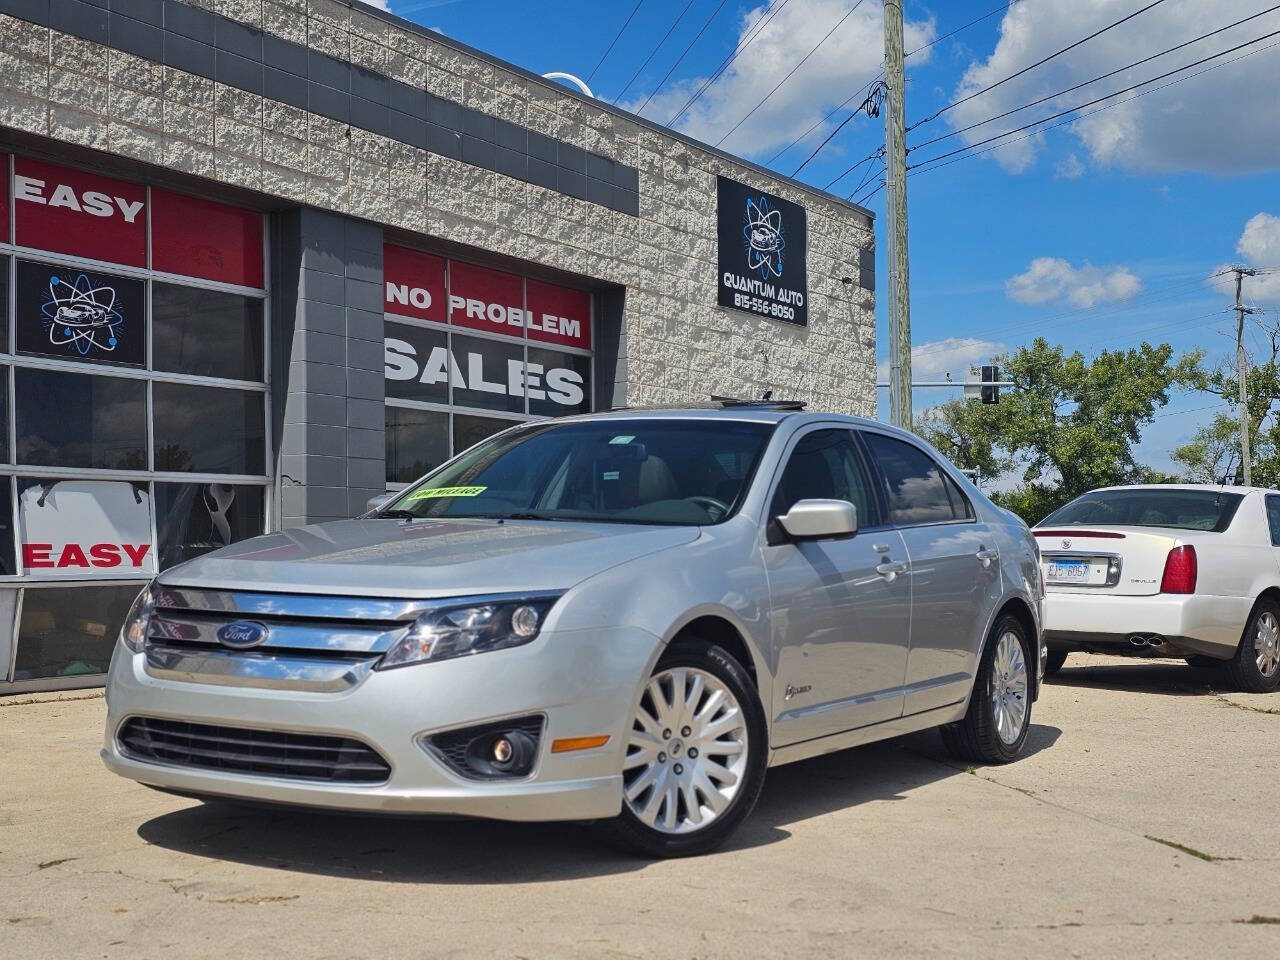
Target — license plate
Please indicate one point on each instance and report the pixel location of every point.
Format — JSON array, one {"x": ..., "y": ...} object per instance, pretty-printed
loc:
[{"x": 1068, "y": 571}]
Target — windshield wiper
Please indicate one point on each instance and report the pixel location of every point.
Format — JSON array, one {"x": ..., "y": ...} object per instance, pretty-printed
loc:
[
  {"x": 395, "y": 515},
  {"x": 517, "y": 515}
]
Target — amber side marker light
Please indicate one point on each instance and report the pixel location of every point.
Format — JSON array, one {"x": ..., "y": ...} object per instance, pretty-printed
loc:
[{"x": 569, "y": 744}]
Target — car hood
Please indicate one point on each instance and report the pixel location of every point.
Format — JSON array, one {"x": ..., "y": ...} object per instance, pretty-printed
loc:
[{"x": 425, "y": 558}]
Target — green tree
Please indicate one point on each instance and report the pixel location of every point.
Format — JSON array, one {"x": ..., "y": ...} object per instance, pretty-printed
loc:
[
  {"x": 1213, "y": 454},
  {"x": 1067, "y": 426}
]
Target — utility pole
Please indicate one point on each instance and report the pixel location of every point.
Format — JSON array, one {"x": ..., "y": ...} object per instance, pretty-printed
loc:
[
  {"x": 895, "y": 182},
  {"x": 1242, "y": 371}
]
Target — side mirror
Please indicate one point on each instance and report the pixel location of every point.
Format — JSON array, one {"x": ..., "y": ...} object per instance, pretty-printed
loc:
[
  {"x": 820, "y": 519},
  {"x": 378, "y": 502}
]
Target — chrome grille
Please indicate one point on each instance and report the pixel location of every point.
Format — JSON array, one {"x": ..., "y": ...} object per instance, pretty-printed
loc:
[
  {"x": 317, "y": 644},
  {"x": 267, "y": 753}
]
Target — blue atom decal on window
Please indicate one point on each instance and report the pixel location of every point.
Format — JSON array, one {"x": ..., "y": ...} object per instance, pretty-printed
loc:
[{"x": 79, "y": 314}]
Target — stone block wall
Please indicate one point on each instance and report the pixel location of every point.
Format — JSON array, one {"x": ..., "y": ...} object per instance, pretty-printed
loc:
[{"x": 109, "y": 92}]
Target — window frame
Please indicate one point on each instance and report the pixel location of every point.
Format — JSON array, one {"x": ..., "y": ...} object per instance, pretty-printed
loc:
[
  {"x": 11, "y": 470},
  {"x": 1266, "y": 509},
  {"x": 449, "y": 405},
  {"x": 870, "y": 474},
  {"x": 882, "y": 483}
]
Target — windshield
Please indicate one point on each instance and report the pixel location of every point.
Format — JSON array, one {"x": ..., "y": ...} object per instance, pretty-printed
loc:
[
  {"x": 621, "y": 471},
  {"x": 1185, "y": 509}
]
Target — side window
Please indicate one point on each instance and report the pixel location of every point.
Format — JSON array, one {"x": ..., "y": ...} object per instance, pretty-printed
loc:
[
  {"x": 1273, "y": 518},
  {"x": 963, "y": 508},
  {"x": 918, "y": 491},
  {"x": 825, "y": 466}
]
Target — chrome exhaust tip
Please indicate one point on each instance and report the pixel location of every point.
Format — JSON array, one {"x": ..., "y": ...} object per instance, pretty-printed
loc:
[{"x": 1138, "y": 639}]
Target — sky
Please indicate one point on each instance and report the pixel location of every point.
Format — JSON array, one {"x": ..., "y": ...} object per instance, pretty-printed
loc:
[{"x": 1102, "y": 229}]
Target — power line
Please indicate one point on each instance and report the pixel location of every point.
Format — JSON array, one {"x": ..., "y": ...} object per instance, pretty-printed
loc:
[
  {"x": 652, "y": 53},
  {"x": 1013, "y": 76},
  {"x": 852, "y": 97},
  {"x": 680, "y": 59},
  {"x": 862, "y": 200},
  {"x": 770, "y": 12},
  {"x": 792, "y": 71},
  {"x": 947, "y": 36},
  {"x": 1109, "y": 96},
  {"x": 880, "y": 76},
  {"x": 871, "y": 104},
  {"x": 867, "y": 175},
  {"x": 616, "y": 37},
  {"x": 1061, "y": 93}
]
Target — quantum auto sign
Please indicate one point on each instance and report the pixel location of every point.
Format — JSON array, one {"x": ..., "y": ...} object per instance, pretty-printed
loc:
[{"x": 762, "y": 241}]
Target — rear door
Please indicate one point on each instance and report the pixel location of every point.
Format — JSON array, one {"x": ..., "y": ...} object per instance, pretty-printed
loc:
[
  {"x": 841, "y": 607},
  {"x": 955, "y": 570}
]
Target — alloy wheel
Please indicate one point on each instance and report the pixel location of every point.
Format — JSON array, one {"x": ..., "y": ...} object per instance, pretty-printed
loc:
[
  {"x": 1009, "y": 688},
  {"x": 687, "y": 752},
  {"x": 1266, "y": 643}
]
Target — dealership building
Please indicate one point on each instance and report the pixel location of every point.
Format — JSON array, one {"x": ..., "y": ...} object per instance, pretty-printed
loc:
[{"x": 262, "y": 260}]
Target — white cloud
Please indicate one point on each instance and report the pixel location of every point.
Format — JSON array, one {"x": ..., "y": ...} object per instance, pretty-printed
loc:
[
  {"x": 1259, "y": 247},
  {"x": 1193, "y": 125},
  {"x": 1052, "y": 278},
  {"x": 937, "y": 358},
  {"x": 1069, "y": 168},
  {"x": 848, "y": 60},
  {"x": 380, "y": 4}
]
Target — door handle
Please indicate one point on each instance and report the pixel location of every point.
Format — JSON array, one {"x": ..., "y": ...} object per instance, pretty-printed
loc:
[
  {"x": 891, "y": 568},
  {"x": 985, "y": 556}
]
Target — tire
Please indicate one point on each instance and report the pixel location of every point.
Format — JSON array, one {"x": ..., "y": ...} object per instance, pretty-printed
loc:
[
  {"x": 1056, "y": 659},
  {"x": 658, "y": 817},
  {"x": 1255, "y": 668},
  {"x": 978, "y": 737}
]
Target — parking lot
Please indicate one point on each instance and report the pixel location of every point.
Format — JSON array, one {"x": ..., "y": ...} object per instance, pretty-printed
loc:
[{"x": 1144, "y": 820}]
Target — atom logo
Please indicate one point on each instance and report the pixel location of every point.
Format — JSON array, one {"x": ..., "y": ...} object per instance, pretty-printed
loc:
[
  {"x": 82, "y": 315},
  {"x": 765, "y": 240}
]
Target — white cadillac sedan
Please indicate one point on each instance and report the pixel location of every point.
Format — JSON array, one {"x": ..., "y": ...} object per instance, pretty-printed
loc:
[{"x": 1167, "y": 571}]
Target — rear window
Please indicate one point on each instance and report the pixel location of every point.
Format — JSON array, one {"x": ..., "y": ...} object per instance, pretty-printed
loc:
[{"x": 1183, "y": 509}]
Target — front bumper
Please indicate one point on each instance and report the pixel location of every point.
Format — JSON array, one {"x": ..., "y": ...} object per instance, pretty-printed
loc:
[
  {"x": 1190, "y": 624},
  {"x": 583, "y": 682}
]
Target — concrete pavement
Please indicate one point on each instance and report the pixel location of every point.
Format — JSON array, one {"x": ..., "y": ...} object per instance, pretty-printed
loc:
[{"x": 1143, "y": 821}]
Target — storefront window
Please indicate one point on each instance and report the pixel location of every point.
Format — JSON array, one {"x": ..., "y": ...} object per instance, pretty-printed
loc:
[
  {"x": 80, "y": 420},
  {"x": 206, "y": 333},
  {"x": 559, "y": 383},
  {"x": 535, "y": 361},
  {"x": 208, "y": 429},
  {"x": 195, "y": 518},
  {"x": 468, "y": 430},
  {"x": 70, "y": 631},
  {"x": 417, "y": 363},
  {"x": 137, "y": 322},
  {"x": 417, "y": 442},
  {"x": 491, "y": 374},
  {"x": 78, "y": 314}
]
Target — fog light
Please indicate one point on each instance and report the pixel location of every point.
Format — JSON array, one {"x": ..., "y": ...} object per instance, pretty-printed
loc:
[{"x": 502, "y": 750}]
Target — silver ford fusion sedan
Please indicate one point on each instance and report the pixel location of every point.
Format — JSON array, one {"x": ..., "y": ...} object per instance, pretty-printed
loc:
[{"x": 624, "y": 617}]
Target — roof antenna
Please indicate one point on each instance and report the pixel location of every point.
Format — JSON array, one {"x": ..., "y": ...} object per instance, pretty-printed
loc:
[{"x": 767, "y": 395}]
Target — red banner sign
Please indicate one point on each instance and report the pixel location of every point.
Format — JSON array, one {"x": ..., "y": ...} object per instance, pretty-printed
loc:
[
  {"x": 559, "y": 314},
  {"x": 484, "y": 299},
  {"x": 201, "y": 238},
  {"x": 413, "y": 284},
  {"x": 78, "y": 213},
  {"x": 480, "y": 298}
]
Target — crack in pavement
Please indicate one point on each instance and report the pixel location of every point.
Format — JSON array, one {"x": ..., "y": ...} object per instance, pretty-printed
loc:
[{"x": 1247, "y": 707}]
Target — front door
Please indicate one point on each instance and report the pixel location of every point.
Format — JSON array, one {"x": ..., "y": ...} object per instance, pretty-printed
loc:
[
  {"x": 955, "y": 571},
  {"x": 842, "y": 606}
]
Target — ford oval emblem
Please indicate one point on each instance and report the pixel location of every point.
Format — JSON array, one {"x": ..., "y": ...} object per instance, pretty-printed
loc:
[{"x": 243, "y": 634}]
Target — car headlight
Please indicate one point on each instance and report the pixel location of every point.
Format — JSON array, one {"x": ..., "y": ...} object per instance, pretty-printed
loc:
[
  {"x": 134, "y": 632},
  {"x": 460, "y": 631}
]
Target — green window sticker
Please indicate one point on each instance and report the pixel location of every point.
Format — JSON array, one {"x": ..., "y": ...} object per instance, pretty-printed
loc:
[{"x": 432, "y": 493}]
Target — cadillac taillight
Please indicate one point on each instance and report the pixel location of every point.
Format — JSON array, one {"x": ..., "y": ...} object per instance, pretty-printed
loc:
[{"x": 1179, "y": 571}]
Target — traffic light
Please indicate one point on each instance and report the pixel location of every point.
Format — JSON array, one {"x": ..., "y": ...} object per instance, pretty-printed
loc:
[{"x": 990, "y": 377}]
